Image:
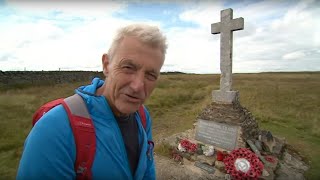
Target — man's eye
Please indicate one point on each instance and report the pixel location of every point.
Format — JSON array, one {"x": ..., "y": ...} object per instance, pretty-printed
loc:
[
  {"x": 152, "y": 77},
  {"x": 128, "y": 68}
]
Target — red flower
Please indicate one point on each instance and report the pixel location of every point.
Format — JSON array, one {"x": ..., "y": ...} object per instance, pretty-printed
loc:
[{"x": 189, "y": 146}]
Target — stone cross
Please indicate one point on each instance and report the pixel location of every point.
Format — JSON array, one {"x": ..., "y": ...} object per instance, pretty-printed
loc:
[{"x": 226, "y": 27}]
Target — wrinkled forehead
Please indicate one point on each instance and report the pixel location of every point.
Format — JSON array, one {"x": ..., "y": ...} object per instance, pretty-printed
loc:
[
  {"x": 132, "y": 41},
  {"x": 132, "y": 45}
]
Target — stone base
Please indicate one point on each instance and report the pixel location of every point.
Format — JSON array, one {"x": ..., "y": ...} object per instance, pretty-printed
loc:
[
  {"x": 225, "y": 97},
  {"x": 289, "y": 166},
  {"x": 277, "y": 165}
]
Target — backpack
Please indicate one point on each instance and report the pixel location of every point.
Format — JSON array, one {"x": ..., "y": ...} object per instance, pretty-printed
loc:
[{"x": 82, "y": 128}]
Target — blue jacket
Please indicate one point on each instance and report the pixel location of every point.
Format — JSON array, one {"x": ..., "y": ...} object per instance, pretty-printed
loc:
[{"x": 50, "y": 152}]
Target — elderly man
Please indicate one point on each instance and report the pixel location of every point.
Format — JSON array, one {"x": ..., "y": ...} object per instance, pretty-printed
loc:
[{"x": 122, "y": 147}]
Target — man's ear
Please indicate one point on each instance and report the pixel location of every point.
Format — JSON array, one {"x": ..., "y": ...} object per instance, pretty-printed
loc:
[{"x": 105, "y": 63}]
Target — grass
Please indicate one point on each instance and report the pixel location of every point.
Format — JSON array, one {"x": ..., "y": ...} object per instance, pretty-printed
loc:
[{"x": 288, "y": 104}]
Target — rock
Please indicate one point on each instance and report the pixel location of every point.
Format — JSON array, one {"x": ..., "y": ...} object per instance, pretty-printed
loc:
[
  {"x": 265, "y": 173},
  {"x": 208, "y": 168},
  {"x": 208, "y": 160},
  {"x": 199, "y": 150},
  {"x": 291, "y": 167},
  {"x": 278, "y": 148},
  {"x": 285, "y": 172},
  {"x": 267, "y": 140},
  {"x": 194, "y": 158},
  {"x": 186, "y": 155},
  {"x": 294, "y": 162},
  {"x": 258, "y": 144},
  {"x": 227, "y": 177},
  {"x": 256, "y": 151},
  {"x": 220, "y": 166},
  {"x": 220, "y": 175}
]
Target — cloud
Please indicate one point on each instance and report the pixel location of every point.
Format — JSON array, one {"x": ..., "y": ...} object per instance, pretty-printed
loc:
[
  {"x": 203, "y": 14},
  {"x": 277, "y": 36},
  {"x": 274, "y": 31},
  {"x": 44, "y": 45},
  {"x": 64, "y": 9},
  {"x": 294, "y": 55},
  {"x": 6, "y": 57}
]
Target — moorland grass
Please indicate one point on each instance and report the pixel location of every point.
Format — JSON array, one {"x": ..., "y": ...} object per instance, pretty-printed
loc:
[{"x": 287, "y": 104}]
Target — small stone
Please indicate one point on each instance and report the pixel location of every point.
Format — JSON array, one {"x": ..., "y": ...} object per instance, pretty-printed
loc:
[
  {"x": 199, "y": 150},
  {"x": 294, "y": 162},
  {"x": 258, "y": 144},
  {"x": 285, "y": 172},
  {"x": 186, "y": 155},
  {"x": 267, "y": 140},
  {"x": 278, "y": 148},
  {"x": 265, "y": 173},
  {"x": 178, "y": 139},
  {"x": 208, "y": 160},
  {"x": 220, "y": 166},
  {"x": 193, "y": 158}
]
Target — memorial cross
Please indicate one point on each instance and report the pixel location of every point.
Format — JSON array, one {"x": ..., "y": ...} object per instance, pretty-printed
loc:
[{"x": 226, "y": 28}]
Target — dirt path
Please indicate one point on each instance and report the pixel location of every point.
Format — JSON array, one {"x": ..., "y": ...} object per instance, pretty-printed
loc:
[{"x": 167, "y": 169}]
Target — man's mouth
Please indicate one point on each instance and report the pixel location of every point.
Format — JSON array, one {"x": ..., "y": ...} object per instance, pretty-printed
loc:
[{"x": 132, "y": 98}]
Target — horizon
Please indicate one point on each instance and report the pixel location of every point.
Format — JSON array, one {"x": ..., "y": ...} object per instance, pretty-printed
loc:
[{"x": 172, "y": 72}]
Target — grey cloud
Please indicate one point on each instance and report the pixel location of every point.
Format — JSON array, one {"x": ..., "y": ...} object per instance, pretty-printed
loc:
[{"x": 7, "y": 57}]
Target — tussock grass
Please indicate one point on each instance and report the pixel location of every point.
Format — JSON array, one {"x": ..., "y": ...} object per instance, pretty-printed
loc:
[{"x": 288, "y": 104}]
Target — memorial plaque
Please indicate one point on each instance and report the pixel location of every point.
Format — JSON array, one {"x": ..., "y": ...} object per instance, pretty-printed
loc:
[
  {"x": 217, "y": 134},
  {"x": 206, "y": 167}
]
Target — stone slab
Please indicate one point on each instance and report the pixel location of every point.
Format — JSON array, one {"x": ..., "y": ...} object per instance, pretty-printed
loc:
[
  {"x": 208, "y": 168},
  {"x": 220, "y": 135},
  {"x": 225, "y": 97}
]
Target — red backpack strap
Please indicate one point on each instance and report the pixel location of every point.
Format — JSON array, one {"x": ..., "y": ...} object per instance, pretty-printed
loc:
[
  {"x": 143, "y": 118},
  {"x": 44, "y": 109},
  {"x": 84, "y": 134},
  {"x": 142, "y": 115}
]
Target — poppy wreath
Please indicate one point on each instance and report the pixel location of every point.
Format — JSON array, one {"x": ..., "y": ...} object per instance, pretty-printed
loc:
[
  {"x": 189, "y": 146},
  {"x": 243, "y": 164}
]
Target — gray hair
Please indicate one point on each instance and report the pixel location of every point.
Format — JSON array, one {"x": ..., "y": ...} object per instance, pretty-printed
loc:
[{"x": 150, "y": 35}]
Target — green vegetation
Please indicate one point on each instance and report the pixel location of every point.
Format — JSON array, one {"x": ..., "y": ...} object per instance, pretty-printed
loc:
[{"x": 287, "y": 104}]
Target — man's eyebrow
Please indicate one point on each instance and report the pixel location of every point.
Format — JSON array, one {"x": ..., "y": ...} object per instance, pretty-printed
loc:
[{"x": 129, "y": 62}]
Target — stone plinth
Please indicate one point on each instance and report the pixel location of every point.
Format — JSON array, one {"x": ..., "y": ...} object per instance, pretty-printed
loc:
[{"x": 225, "y": 97}]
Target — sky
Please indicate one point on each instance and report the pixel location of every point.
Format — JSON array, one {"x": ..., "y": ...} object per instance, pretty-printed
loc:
[{"x": 278, "y": 36}]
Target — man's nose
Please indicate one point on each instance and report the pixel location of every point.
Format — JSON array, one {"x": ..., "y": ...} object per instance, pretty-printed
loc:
[{"x": 137, "y": 83}]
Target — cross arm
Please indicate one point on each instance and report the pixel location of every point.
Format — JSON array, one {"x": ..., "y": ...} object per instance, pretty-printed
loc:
[
  {"x": 216, "y": 28},
  {"x": 237, "y": 24}
]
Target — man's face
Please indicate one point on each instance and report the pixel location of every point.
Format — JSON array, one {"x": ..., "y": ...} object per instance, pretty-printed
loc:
[{"x": 131, "y": 75}]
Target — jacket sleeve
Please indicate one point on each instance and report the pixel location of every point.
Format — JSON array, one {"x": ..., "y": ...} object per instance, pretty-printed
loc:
[
  {"x": 49, "y": 150},
  {"x": 150, "y": 172}
]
